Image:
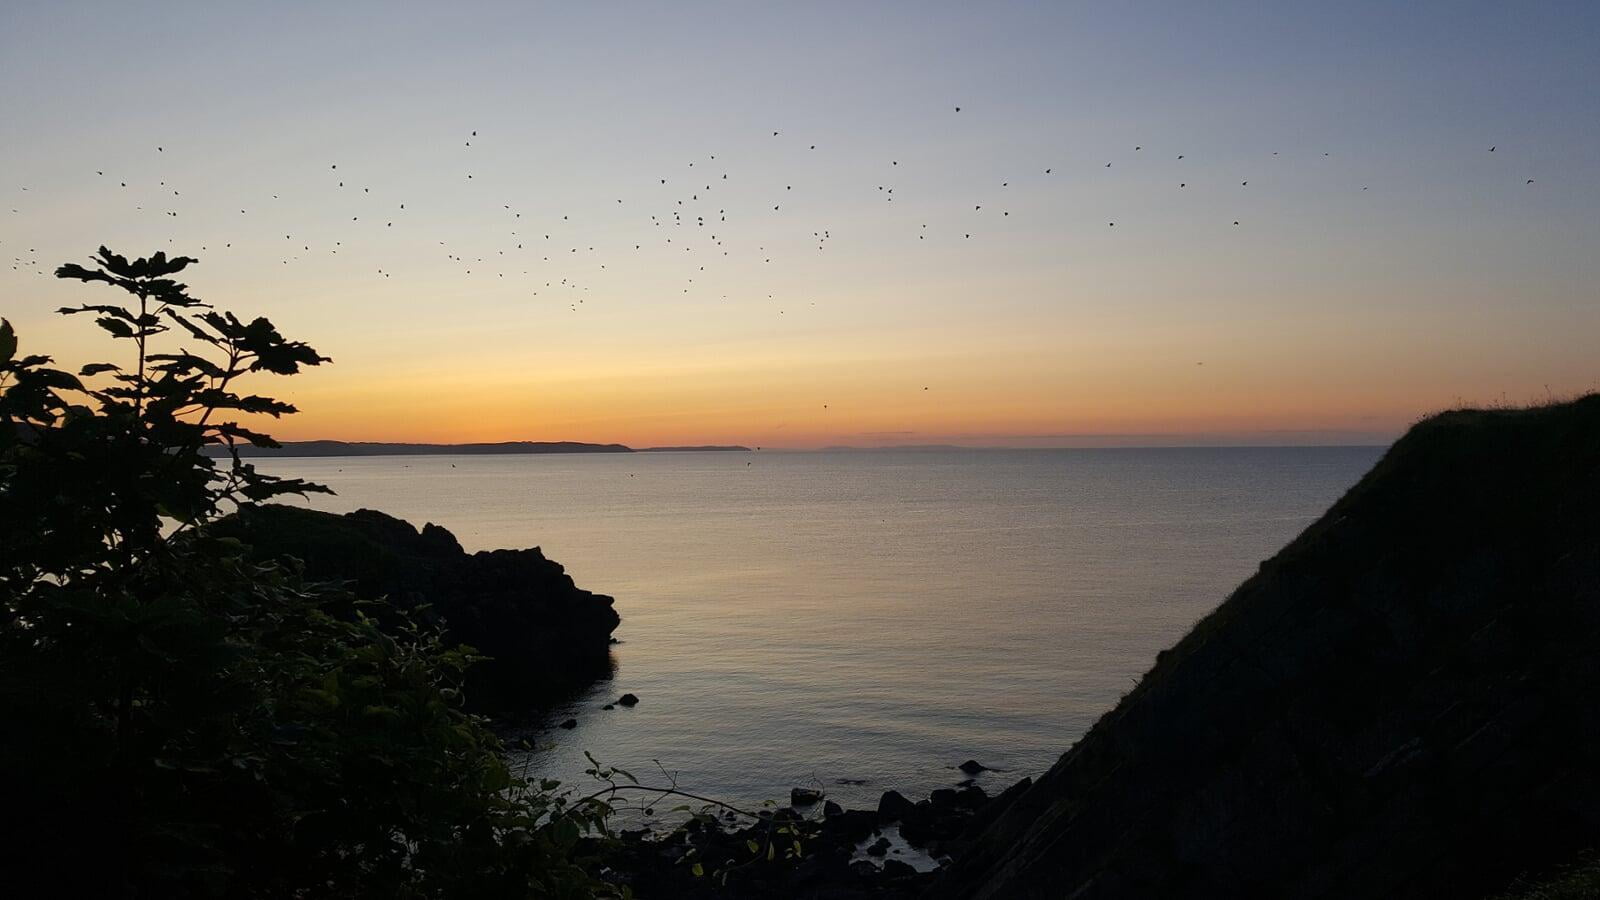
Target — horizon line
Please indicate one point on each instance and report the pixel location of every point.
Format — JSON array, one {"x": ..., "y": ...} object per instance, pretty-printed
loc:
[{"x": 1106, "y": 441}]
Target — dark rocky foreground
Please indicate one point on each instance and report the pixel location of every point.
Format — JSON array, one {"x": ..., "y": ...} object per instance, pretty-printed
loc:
[
  {"x": 1400, "y": 703},
  {"x": 844, "y": 853},
  {"x": 545, "y": 636}
]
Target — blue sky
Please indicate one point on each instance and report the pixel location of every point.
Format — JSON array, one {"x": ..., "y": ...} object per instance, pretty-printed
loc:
[{"x": 1406, "y": 269}]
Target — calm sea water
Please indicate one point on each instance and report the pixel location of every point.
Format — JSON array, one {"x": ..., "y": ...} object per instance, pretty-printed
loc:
[{"x": 793, "y": 618}]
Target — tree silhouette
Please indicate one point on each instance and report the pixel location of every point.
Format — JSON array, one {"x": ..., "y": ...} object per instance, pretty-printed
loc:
[{"x": 181, "y": 719}]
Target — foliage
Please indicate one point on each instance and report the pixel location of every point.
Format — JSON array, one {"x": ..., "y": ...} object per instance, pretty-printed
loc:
[
  {"x": 182, "y": 720},
  {"x": 1578, "y": 880}
]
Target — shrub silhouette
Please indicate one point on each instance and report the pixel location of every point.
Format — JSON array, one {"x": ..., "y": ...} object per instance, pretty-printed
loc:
[{"x": 180, "y": 720}]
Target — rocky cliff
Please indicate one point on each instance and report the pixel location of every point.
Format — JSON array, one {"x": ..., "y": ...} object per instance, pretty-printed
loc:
[
  {"x": 1400, "y": 703},
  {"x": 544, "y": 635}
]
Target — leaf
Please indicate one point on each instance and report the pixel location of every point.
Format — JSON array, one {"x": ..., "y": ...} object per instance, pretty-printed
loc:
[
  {"x": 566, "y": 831},
  {"x": 117, "y": 327},
  {"x": 8, "y": 341},
  {"x": 159, "y": 265},
  {"x": 73, "y": 270},
  {"x": 115, "y": 311},
  {"x": 698, "y": 870},
  {"x": 186, "y": 362},
  {"x": 772, "y": 852},
  {"x": 117, "y": 264},
  {"x": 97, "y": 368},
  {"x": 754, "y": 847},
  {"x": 192, "y": 328},
  {"x": 58, "y": 379},
  {"x": 255, "y": 438}
]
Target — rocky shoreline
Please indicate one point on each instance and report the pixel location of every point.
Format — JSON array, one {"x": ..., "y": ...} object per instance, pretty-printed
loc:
[
  {"x": 547, "y": 638},
  {"x": 842, "y": 853}
]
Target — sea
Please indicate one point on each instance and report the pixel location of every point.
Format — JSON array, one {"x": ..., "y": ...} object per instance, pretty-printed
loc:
[{"x": 859, "y": 621}]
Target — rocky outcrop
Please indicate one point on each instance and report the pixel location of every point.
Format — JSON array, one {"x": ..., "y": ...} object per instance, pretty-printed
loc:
[
  {"x": 843, "y": 854},
  {"x": 544, "y": 635},
  {"x": 1400, "y": 703}
]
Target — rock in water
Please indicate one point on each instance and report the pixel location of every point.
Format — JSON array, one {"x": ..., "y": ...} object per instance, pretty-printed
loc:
[
  {"x": 570, "y": 724},
  {"x": 894, "y": 868},
  {"x": 804, "y": 797},
  {"x": 627, "y": 700},
  {"x": 973, "y": 767},
  {"x": 892, "y": 805},
  {"x": 544, "y": 636},
  {"x": 1400, "y": 703}
]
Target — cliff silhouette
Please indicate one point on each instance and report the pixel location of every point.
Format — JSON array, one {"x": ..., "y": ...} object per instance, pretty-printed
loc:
[
  {"x": 545, "y": 636},
  {"x": 1400, "y": 703}
]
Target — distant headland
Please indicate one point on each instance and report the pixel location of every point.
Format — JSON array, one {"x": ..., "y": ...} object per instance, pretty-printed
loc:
[
  {"x": 700, "y": 448},
  {"x": 366, "y": 448}
]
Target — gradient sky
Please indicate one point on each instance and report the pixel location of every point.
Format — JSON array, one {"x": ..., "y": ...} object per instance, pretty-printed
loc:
[{"x": 1385, "y": 264}]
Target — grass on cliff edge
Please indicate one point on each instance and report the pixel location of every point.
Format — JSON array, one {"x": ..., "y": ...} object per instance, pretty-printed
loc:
[{"x": 1579, "y": 880}]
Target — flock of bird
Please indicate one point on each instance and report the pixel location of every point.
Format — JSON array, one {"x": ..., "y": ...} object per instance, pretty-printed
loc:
[{"x": 691, "y": 211}]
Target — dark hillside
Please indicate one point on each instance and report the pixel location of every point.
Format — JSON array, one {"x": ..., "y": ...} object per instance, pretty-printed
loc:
[{"x": 1401, "y": 703}]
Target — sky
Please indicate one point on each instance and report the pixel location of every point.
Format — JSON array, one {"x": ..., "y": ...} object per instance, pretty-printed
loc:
[{"x": 768, "y": 224}]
